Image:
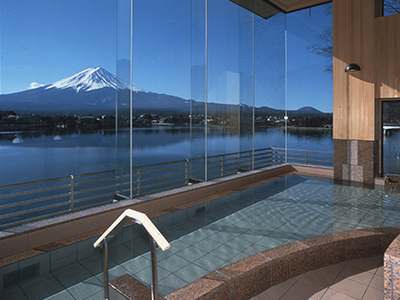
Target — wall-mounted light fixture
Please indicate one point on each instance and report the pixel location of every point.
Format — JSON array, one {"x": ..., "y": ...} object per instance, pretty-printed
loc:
[{"x": 352, "y": 68}]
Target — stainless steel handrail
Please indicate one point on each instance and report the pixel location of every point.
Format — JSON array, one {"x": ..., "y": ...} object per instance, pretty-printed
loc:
[
  {"x": 156, "y": 238},
  {"x": 25, "y": 202}
]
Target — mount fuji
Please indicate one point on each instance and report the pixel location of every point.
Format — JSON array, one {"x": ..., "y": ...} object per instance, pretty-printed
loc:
[
  {"x": 89, "y": 80},
  {"x": 93, "y": 90}
]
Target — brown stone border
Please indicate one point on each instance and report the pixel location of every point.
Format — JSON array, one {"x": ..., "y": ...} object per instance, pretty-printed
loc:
[{"x": 250, "y": 276}]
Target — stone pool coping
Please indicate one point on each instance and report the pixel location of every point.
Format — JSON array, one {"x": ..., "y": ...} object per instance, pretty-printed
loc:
[
  {"x": 392, "y": 270},
  {"x": 31, "y": 239},
  {"x": 250, "y": 276}
]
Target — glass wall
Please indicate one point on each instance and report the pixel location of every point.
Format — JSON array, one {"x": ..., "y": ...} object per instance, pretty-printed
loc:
[
  {"x": 128, "y": 83},
  {"x": 310, "y": 78}
]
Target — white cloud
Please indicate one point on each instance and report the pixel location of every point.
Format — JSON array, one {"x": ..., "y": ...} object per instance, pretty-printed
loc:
[{"x": 35, "y": 85}]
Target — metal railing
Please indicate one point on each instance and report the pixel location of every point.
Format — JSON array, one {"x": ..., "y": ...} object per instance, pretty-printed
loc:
[
  {"x": 30, "y": 201},
  {"x": 156, "y": 238},
  {"x": 308, "y": 157}
]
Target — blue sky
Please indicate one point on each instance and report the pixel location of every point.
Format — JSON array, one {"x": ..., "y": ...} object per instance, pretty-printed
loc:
[{"x": 44, "y": 41}]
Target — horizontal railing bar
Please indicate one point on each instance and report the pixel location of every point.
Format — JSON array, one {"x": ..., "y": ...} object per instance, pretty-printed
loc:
[
  {"x": 25, "y": 212},
  {"x": 95, "y": 197},
  {"x": 77, "y": 184},
  {"x": 34, "y": 192},
  {"x": 34, "y": 201},
  {"x": 97, "y": 173},
  {"x": 10, "y": 186},
  {"x": 95, "y": 189},
  {"x": 283, "y": 149},
  {"x": 163, "y": 170},
  {"x": 162, "y": 177},
  {"x": 161, "y": 183},
  {"x": 161, "y": 164}
]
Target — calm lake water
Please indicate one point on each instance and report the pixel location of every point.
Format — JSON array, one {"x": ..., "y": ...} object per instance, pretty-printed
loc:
[{"x": 36, "y": 155}]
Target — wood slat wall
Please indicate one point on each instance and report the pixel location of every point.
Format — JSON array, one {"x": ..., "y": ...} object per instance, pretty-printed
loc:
[
  {"x": 387, "y": 40},
  {"x": 374, "y": 44}
]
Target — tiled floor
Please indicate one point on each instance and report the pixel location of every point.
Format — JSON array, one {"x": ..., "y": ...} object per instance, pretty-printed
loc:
[{"x": 356, "y": 279}]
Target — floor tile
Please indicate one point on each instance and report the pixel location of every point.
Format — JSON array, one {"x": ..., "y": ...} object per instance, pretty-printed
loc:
[
  {"x": 63, "y": 295},
  {"x": 43, "y": 289},
  {"x": 373, "y": 294},
  {"x": 349, "y": 287},
  {"x": 86, "y": 288},
  {"x": 292, "y": 296},
  {"x": 190, "y": 254},
  {"x": 191, "y": 273},
  {"x": 174, "y": 263},
  {"x": 273, "y": 293},
  {"x": 209, "y": 262},
  {"x": 289, "y": 283},
  {"x": 335, "y": 295},
  {"x": 366, "y": 263},
  {"x": 71, "y": 276},
  {"x": 306, "y": 288},
  {"x": 320, "y": 277},
  {"x": 377, "y": 282}
]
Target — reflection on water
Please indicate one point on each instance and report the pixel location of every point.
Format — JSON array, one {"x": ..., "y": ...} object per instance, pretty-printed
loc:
[{"x": 49, "y": 154}]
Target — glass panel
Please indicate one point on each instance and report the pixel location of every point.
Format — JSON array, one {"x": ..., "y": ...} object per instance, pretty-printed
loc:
[
  {"x": 391, "y": 7},
  {"x": 161, "y": 80},
  {"x": 198, "y": 134},
  {"x": 269, "y": 81},
  {"x": 123, "y": 157},
  {"x": 391, "y": 137},
  {"x": 223, "y": 82},
  {"x": 246, "y": 90},
  {"x": 310, "y": 80}
]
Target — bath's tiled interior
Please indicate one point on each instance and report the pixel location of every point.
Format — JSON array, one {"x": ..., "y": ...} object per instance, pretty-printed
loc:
[{"x": 207, "y": 237}]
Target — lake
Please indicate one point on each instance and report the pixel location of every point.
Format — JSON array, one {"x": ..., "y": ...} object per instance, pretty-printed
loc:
[{"x": 37, "y": 155}]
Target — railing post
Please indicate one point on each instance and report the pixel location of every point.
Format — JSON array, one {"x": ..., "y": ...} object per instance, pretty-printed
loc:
[
  {"x": 306, "y": 157},
  {"x": 272, "y": 156},
  {"x": 250, "y": 168},
  {"x": 71, "y": 193},
  {"x": 187, "y": 171},
  {"x": 154, "y": 290},
  {"x": 138, "y": 183},
  {"x": 105, "y": 269},
  {"x": 222, "y": 165}
]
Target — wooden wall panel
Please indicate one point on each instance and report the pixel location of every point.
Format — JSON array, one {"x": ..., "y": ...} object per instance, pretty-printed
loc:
[
  {"x": 354, "y": 94},
  {"x": 387, "y": 41}
]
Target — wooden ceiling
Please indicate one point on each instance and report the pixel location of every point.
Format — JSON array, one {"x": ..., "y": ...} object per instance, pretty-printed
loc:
[
  {"x": 268, "y": 8},
  {"x": 293, "y": 5}
]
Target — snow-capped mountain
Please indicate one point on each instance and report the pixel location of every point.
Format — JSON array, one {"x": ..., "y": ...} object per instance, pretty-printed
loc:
[
  {"x": 93, "y": 90},
  {"x": 89, "y": 80}
]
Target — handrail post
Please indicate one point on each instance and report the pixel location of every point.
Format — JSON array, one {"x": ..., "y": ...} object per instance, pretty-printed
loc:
[
  {"x": 250, "y": 168},
  {"x": 105, "y": 268},
  {"x": 272, "y": 156},
  {"x": 222, "y": 165},
  {"x": 187, "y": 171},
  {"x": 71, "y": 193},
  {"x": 306, "y": 157},
  {"x": 138, "y": 181},
  {"x": 154, "y": 290}
]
